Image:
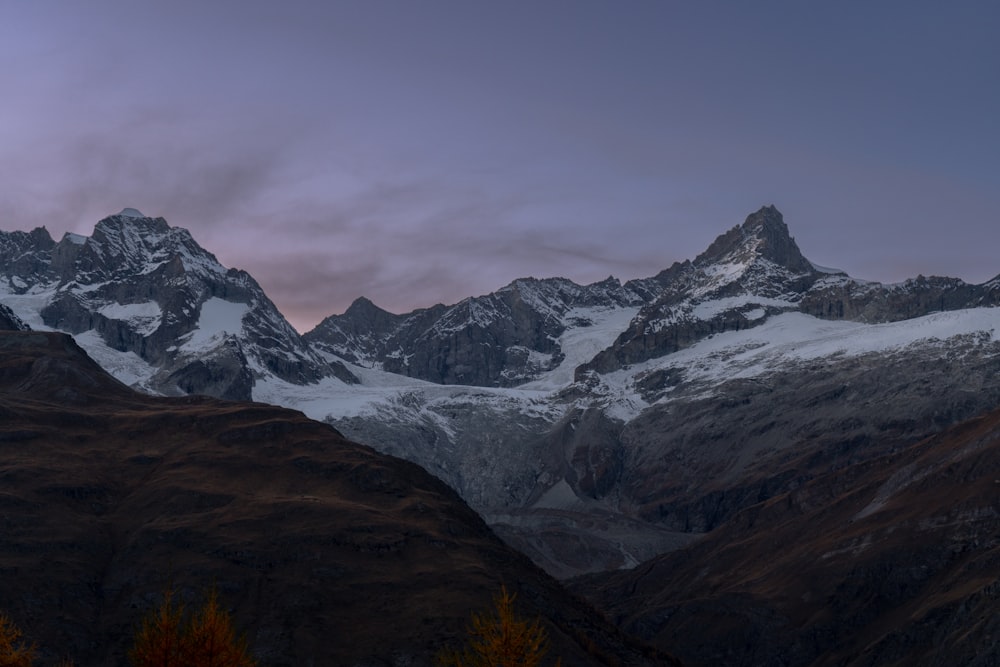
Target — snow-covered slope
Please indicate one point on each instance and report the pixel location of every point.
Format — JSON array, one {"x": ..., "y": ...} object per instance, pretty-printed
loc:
[
  {"x": 634, "y": 401},
  {"x": 608, "y": 471},
  {"x": 155, "y": 308},
  {"x": 505, "y": 338},
  {"x": 789, "y": 343},
  {"x": 593, "y": 425}
]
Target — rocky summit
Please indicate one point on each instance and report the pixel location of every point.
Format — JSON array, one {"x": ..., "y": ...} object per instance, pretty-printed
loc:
[{"x": 154, "y": 305}]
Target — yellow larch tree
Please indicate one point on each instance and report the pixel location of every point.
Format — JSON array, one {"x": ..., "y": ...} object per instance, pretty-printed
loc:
[
  {"x": 211, "y": 640},
  {"x": 13, "y": 651},
  {"x": 207, "y": 640},
  {"x": 158, "y": 641},
  {"x": 501, "y": 639}
]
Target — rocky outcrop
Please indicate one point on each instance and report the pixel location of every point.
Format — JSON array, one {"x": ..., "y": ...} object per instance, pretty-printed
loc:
[
  {"x": 762, "y": 236},
  {"x": 694, "y": 461},
  {"x": 749, "y": 273},
  {"x": 501, "y": 339},
  {"x": 25, "y": 258},
  {"x": 860, "y": 301},
  {"x": 9, "y": 321},
  {"x": 367, "y": 335}
]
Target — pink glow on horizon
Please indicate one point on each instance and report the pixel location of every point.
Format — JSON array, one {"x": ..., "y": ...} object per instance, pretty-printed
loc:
[{"x": 417, "y": 154}]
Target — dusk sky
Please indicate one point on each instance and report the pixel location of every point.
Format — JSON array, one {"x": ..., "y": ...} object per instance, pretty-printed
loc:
[{"x": 422, "y": 151}]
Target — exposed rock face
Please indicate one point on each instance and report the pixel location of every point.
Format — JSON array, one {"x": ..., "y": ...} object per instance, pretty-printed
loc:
[
  {"x": 149, "y": 289},
  {"x": 501, "y": 339},
  {"x": 366, "y": 335},
  {"x": 10, "y": 321},
  {"x": 890, "y": 561},
  {"x": 862, "y": 301},
  {"x": 327, "y": 552},
  {"x": 694, "y": 462},
  {"x": 25, "y": 257},
  {"x": 762, "y": 236},
  {"x": 750, "y": 272}
]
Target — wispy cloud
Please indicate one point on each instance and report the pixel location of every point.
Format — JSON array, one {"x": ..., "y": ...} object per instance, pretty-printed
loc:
[{"x": 427, "y": 154}]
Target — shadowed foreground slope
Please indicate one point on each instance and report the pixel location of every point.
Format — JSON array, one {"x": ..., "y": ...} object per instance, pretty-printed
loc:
[
  {"x": 329, "y": 553},
  {"x": 895, "y": 561}
]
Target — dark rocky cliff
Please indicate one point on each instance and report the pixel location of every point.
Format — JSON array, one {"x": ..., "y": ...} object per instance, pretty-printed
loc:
[{"x": 501, "y": 339}]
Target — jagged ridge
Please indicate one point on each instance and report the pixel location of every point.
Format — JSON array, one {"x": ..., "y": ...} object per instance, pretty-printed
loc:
[
  {"x": 681, "y": 372},
  {"x": 501, "y": 339},
  {"x": 149, "y": 289}
]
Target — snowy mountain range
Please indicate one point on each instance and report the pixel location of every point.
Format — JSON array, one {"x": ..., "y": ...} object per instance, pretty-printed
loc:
[
  {"x": 594, "y": 426},
  {"x": 155, "y": 308}
]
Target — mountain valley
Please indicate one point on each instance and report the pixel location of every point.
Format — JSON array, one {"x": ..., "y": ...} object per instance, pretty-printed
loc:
[
  {"x": 329, "y": 552},
  {"x": 709, "y": 431},
  {"x": 893, "y": 561}
]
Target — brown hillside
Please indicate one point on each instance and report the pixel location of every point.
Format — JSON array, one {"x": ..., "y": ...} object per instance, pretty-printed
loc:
[
  {"x": 891, "y": 562},
  {"x": 327, "y": 552}
]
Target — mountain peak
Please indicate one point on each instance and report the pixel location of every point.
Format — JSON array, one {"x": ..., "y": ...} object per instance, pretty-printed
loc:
[
  {"x": 131, "y": 213},
  {"x": 365, "y": 307},
  {"x": 764, "y": 234},
  {"x": 765, "y": 218},
  {"x": 132, "y": 229}
]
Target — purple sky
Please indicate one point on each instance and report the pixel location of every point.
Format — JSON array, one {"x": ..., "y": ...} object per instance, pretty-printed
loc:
[{"x": 421, "y": 152}]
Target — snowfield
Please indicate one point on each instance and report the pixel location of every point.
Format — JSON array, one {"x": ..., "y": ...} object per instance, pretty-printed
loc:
[
  {"x": 144, "y": 317},
  {"x": 217, "y": 319},
  {"x": 779, "y": 342}
]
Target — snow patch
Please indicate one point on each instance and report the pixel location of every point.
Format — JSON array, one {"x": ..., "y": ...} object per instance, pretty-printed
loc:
[
  {"x": 560, "y": 496},
  {"x": 709, "y": 309},
  {"x": 218, "y": 317},
  {"x": 126, "y": 367},
  {"x": 28, "y": 306},
  {"x": 144, "y": 318},
  {"x": 791, "y": 338},
  {"x": 589, "y": 330},
  {"x": 389, "y": 396},
  {"x": 725, "y": 273},
  {"x": 826, "y": 269}
]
